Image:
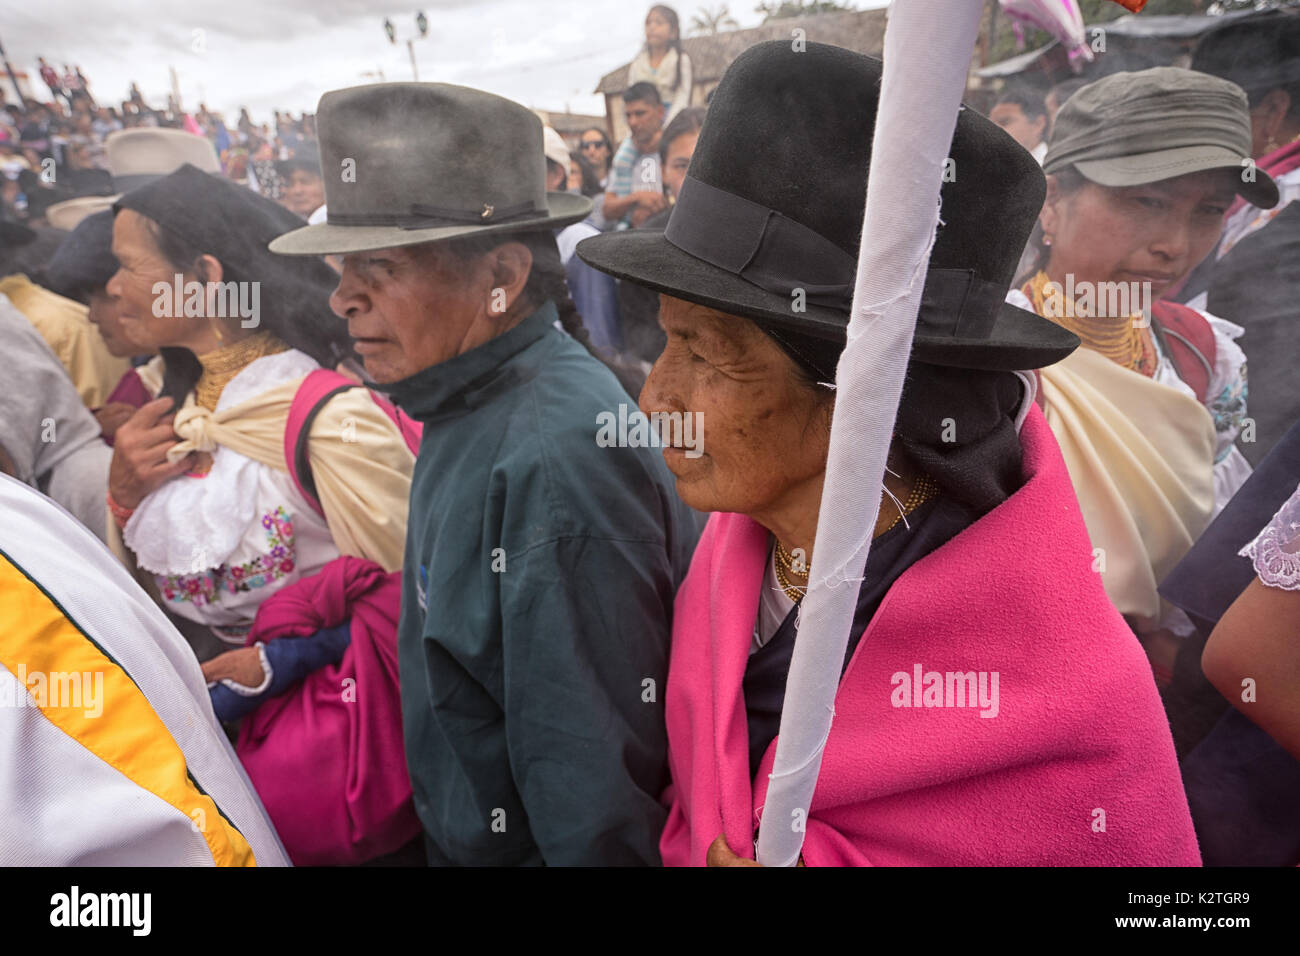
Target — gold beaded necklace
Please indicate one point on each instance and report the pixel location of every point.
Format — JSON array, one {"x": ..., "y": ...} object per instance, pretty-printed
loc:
[
  {"x": 223, "y": 364},
  {"x": 922, "y": 491},
  {"x": 1125, "y": 343}
]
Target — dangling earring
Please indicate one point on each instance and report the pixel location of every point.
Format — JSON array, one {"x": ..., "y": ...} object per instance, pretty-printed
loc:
[
  {"x": 1047, "y": 240},
  {"x": 1271, "y": 145},
  {"x": 216, "y": 330}
]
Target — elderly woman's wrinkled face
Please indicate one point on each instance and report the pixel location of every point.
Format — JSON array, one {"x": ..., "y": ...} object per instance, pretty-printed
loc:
[
  {"x": 1155, "y": 233},
  {"x": 766, "y": 431},
  {"x": 141, "y": 264}
]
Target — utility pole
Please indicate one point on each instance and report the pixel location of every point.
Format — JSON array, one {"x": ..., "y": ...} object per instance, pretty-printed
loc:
[{"x": 13, "y": 78}]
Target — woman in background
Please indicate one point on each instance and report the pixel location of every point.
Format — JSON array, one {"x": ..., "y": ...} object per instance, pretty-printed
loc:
[{"x": 1141, "y": 169}]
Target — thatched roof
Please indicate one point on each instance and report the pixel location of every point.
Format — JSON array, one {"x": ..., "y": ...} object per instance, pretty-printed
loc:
[{"x": 863, "y": 31}]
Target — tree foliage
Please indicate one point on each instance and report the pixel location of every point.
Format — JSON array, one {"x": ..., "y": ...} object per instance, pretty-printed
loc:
[
  {"x": 707, "y": 22},
  {"x": 772, "y": 10}
]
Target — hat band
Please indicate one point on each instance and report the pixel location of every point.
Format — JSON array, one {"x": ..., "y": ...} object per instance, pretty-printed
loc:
[
  {"x": 784, "y": 257},
  {"x": 424, "y": 216}
]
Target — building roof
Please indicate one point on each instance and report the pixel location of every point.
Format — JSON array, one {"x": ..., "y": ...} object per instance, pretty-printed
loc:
[
  {"x": 572, "y": 122},
  {"x": 860, "y": 30}
]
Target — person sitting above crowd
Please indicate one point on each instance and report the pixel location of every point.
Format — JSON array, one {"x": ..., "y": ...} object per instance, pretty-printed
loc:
[
  {"x": 1141, "y": 169},
  {"x": 662, "y": 61}
]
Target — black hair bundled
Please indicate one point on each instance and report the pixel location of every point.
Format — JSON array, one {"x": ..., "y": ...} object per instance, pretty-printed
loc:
[{"x": 294, "y": 322}]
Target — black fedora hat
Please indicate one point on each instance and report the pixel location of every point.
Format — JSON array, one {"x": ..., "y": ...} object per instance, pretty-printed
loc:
[
  {"x": 773, "y": 203},
  {"x": 406, "y": 163},
  {"x": 84, "y": 261}
]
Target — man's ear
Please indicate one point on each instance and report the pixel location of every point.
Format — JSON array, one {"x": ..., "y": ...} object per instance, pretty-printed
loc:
[
  {"x": 1040, "y": 127},
  {"x": 511, "y": 263}
]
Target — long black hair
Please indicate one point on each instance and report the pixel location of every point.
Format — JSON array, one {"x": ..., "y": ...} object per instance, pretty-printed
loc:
[{"x": 308, "y": 326}]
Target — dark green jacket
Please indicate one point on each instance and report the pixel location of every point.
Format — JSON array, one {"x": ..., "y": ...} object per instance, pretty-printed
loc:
[{"x": 536, "y": 610}]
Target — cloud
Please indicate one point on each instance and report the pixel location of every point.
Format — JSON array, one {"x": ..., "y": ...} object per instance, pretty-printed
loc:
[{"x": 283, "y": 54}]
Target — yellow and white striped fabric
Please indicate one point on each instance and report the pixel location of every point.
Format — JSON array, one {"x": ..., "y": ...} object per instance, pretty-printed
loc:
[{"x": 109, "y": 750}]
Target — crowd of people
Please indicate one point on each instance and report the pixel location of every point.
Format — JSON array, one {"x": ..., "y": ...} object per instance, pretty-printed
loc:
[{"x": 377, "y": 581}]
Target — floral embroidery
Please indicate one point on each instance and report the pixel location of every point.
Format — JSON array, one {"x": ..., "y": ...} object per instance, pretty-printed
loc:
[{"x": 204, "y": 587}]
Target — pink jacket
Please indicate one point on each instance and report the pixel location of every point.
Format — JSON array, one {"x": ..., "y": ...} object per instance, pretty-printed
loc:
[{"x": 1076, "y": 768}]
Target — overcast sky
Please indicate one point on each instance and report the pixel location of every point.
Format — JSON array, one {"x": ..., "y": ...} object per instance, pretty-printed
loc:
[{"x": 284, "y": 54}]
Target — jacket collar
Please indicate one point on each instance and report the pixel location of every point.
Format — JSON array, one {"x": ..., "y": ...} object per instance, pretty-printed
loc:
[{"x": 447, "y": 385}]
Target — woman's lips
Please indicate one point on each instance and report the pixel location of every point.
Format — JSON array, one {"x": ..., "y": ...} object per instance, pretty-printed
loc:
[{"x": 1155, "y": 278}]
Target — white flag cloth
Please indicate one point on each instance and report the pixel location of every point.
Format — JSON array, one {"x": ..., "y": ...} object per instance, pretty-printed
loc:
[{"x": 928, "y": 46}]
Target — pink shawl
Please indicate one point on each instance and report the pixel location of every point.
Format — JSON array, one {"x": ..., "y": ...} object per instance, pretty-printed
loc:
[
  {"x": 327, "y": 757},
  {"x": 1076, "y": 768}
]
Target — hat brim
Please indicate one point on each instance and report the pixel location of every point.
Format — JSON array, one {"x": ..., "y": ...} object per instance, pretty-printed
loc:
[
  {"x": 67, "y": 215},
  {"x": 1144, "y": 168},
  {"x": 1018, "y": 340},
  {"x": 333, "y": 239}
]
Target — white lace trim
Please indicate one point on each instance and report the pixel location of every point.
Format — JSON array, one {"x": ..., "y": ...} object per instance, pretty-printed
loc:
[
  {"x": 191, "y": 524},
  {"x": 1276, "y": 551}
]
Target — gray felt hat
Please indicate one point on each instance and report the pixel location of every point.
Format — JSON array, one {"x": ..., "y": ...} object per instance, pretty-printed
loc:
[
  {"x": 406, "y": 163},
  {"x": 1130, "y": 129}
]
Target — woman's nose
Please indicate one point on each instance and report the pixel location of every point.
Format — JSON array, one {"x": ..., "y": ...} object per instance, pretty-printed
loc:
[{"x": 661, "y": 393}]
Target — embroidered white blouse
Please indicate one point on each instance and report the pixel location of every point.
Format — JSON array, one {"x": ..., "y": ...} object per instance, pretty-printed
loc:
[
  {"x": 1275, "y": 552},
  {"x": 220, "y": 544}
]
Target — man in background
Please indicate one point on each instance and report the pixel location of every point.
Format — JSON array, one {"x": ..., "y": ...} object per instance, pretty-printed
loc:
[
  {"x": 636, "y": 185},
  {"x": 1022, "y": 113}
]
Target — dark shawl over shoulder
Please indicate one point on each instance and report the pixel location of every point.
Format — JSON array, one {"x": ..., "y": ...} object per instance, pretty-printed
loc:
[{"x": 1257, "y": 285}]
